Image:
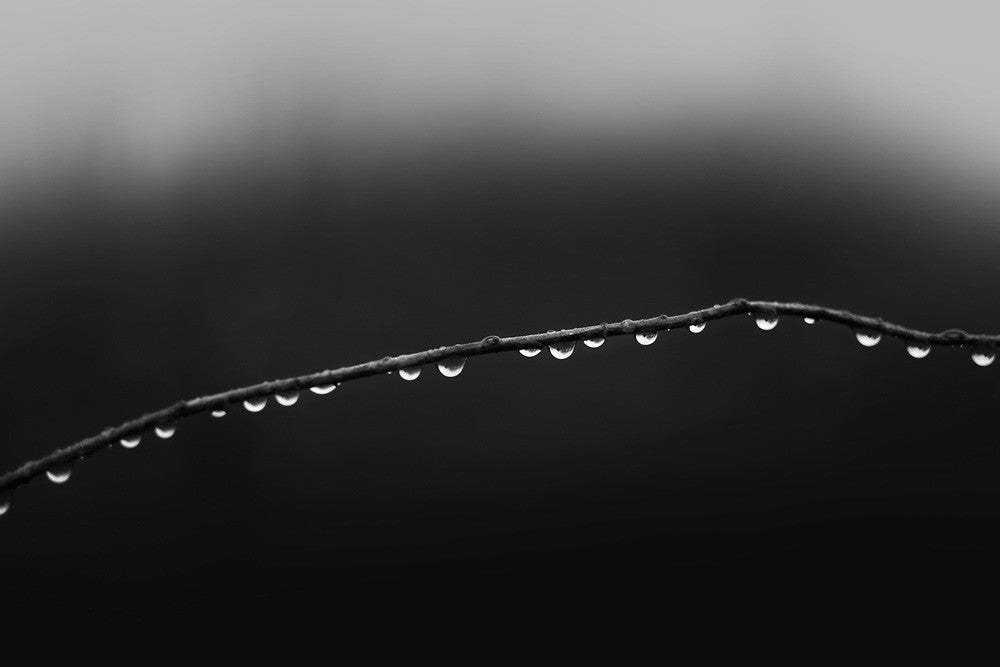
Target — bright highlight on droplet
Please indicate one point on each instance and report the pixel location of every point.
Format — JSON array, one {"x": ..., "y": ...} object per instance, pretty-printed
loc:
[
  {"x": 452, "y": 366},
  {"x": 697, "y": 327},
  {"x": 165, "y": 430},
  {"x": 255, "y": 404},
  {"x": 59, "y": 475},
  {"x": 323, "y": 389},
  {"x": 594, "y": 342},
  {"x": 766, "y": 322},
  {"x": 287, "y": 398},
  {"x": 646, "y": 337},
  {"x": 409, "y": 374},
  {"x": 530, "y": 351},
  {"x": 562, "y": 350},
  {"x": 918, "y": 351},
  {"x": 983, "y": 357},
  {"x": 130, "y": 442},
  {"x": 809, "y": 320},
  {"x": 868, "y": 338},
  {"x": 218, "y": 414},
  {"x": 5, "y": 502}
]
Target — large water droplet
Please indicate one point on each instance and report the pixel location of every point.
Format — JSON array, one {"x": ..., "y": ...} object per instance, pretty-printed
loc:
[
  {"x": 984, "y": 356},
  {"x": 255, "y": 404},
  {"x": 287, "y": 398},
  {"x": 409, "y": 374},
  {"x": 530, "y": 351},
  {"x": 918, "y": 351},
  {"x": 323, "y": 389},
  {"x": 130, "y": 442},
  {"x": 5, "y": 502},
  {"x": 594, "y": 342},
  {"x": 59, "y": 474},
  {"x": 645, "y": 337},
  {"x": 218, "y": 413},
  {"x": 563, "y": 349},
  {"x": 809, "y": 320},
  {"x": 452, "y": 366},
  {"x": 697, "y": 327},
  {"x": 165, "y": 430},
  {"x": 766, "y": 322},
  {"x": 868, "y": 338}
]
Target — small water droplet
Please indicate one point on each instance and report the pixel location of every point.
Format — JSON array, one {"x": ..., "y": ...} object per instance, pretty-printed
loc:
[
  {"x": 594, "y": 342},
  {"x": 59, "y": 474},
  {"x": 165, "y": 430},
  {"x": 984, "y": 356},
  {"x": 868, "y": 338},
  {"x": 218, "y": 414},
  {"x": 5, "y": 502},
  {"x": 697, "y": 327},
  {"x": 452, "y": 366},
  {"x": 562, "y": 350},
  {"x": 809, "y": 320},
  {"x": 646, "y": 337},
  {"x": 766, "y": 322},
  {"x": 131, "y": 442},
  {"x": 323, "y": 389},
  {"x": 918, "y": 351},
  {"x": 255, "y": 404},
  {"x": 409, "y": 374},
  {"x": 287, "y": 398},
  {"x": 530, "y": 351}
]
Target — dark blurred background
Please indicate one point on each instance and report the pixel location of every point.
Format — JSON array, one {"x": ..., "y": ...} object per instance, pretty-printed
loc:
[{"x": 295, "y": 236}]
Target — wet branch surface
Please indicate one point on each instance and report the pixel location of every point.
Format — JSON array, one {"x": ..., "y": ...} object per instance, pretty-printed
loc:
[{"x": 488, "y": 345}]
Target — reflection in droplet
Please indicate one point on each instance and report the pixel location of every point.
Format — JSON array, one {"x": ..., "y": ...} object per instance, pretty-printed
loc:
[
  {"x": 165, "y": 430},
  {"x": 323, "y": 389},
  {"x": 287, "y": 398},
  {"x": 645, "y": 337},
  {"x": 697, "y": 327},
  {"x": 59, "y": 474},
  {"x": 809, "y": 320},
  {"x": 594, "y": 342},
  {"x": 918, "y": 351},
  {"x": 218, "y": 413},
  {"x": 451, "y": 366},
  {"x": 766, "y": 322},
  {"x": 5, "y": 502},
  {"x": 984, "y": 357},
  {"x": 868, "y": 338},
  {"x": 562, "y": 349},
  {"x": 255, "y": 404},
  {"x": 409, "y": 374},
  {"x": 130, "y": 442},
  {"x": 530, "y": 351}
]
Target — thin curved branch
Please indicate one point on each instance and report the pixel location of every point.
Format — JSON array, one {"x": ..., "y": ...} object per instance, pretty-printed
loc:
[{"x": 489, "y": 345}]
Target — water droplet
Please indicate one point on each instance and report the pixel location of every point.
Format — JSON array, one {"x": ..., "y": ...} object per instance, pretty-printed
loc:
[
  {"x": 766, "y": 322},
  {"x": 60, "y": 474},
  {"x": 645, "y": 337},
  {"x": 409, "y": 374},
  {"x": 809, "y": 320},
  {"x": 165, "y": 430},
  {"x": 452, "y": 366},
  {"x": 984, "y": 356},
  {"x": 918, "y": 351},
  {"x": 130, "y": 442},
  {"x": 868, "y": 338},
  {"x": 287, "y": 398},
  {"x": 323, "y": 389},
  {"x": 697, "y": 327},
  {"x": 594, "y": 342},
  {"x": 562, "y": 350},
  {"x": 530, "y": 351},
  {"x": 255, "y": 404},
  {"x": 218, "y": 414},
  {"x": 5, "y": 502}
]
